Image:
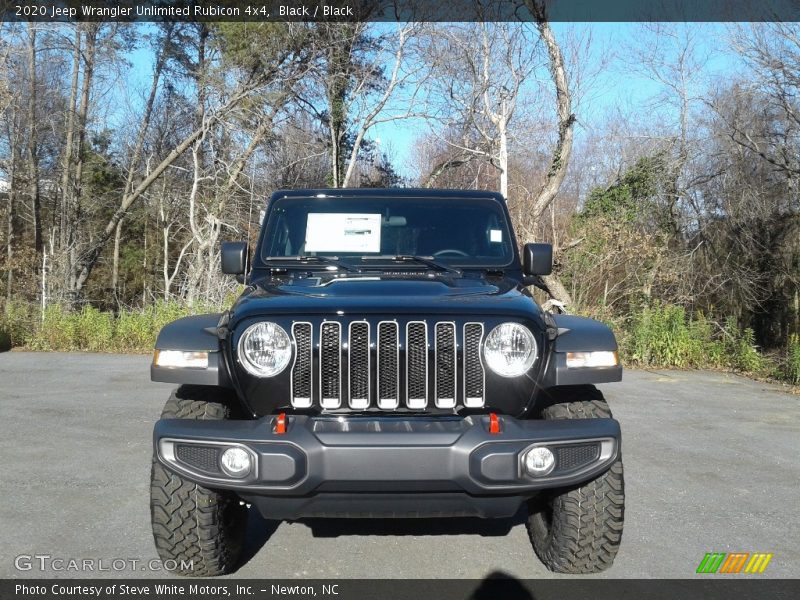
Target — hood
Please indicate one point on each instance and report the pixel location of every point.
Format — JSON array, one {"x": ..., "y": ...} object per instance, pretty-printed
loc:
[{"x": 385, "y": 294}]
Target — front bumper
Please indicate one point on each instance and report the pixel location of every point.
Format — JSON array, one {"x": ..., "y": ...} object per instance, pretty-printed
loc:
[{"x": 396, "y": 455}]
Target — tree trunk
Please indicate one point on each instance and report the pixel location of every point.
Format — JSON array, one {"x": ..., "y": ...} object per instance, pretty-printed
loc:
[
  {"x": 115, "y": 266},
  {"x": 335, "y": 157},
  {"x": 74, "y": 213},
  {"x": 502, "y": 128},
  {"x": 557, "y": 289},
  {"x": 66, "y": 173},
  {"x": 338, "y": 73},
  {"x": 200, "y": 80},
  {"x": 9, "y": 248},
  {"x": 566, "y": 124},
  {"x": 566, "y": 120},
  {"x": 33, "y": 158},
  {"x": 12, "y": 192}
]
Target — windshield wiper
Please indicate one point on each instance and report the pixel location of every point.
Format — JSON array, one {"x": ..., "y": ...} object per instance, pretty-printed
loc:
[
  {"x": 406, "y": 258},
  {"x": 303, "y": 259}
]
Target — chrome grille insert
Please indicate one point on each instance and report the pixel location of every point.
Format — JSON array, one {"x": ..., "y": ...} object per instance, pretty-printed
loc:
[
  {"x": 474, "y": 373},
  {"x": 416, "y": 364},
  {"x": 302, "y": 378},
  {"x": 388, "y": 365},
  {"x": 358, "y": 371},
  {"x": 330, "y": 371},
  {"x": 442, "y": 365},
  {"x": 445, "y": 365}
]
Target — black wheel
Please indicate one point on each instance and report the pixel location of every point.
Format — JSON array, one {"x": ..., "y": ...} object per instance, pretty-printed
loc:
[
  {"x": 578, "y": 530},
  {"x": 198, "y": 532}
]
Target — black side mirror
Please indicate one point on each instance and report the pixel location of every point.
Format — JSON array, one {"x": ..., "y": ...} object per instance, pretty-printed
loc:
[
  {"x": 234, "y": 257},
  {"x": 537, "y": 259}
]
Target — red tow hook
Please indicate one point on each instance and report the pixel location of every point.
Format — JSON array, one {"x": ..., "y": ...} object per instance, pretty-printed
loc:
[
  {"x": 494, "y": 424},
  {"x": 280, "y": 424}
]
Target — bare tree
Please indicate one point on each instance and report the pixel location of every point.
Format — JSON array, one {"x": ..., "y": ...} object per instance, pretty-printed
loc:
[
  {"x": 33, "y": 141},
  {"x": 478, "y": 73},
  {"x": 772, "y": 51},
  {"x": 370, "y": 110}
]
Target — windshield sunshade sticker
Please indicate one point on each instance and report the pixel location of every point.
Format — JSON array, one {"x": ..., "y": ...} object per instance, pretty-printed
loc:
[
  {"x": 343, "y": 232},
  {"x": 496, "y": 236}
]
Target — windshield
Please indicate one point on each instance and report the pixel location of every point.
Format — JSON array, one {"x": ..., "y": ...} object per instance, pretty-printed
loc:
[{"x": 364, "y": 230}]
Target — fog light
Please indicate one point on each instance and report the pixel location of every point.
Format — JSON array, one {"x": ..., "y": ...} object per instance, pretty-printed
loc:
[
  {"x": 236, "y": 462},
  {"x": 539, "y": 461}
]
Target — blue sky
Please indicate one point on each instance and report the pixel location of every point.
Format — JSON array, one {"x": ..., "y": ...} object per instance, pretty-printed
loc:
[{"x": 615, "y": 85}]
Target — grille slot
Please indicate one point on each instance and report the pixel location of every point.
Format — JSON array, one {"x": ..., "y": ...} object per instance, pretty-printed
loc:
[
  {"x": 445, "y": 365},
  {"x": 388, "y": 365},
  {"x": 416, "y": 364},
  {"x": 359, "y": 364},
  {"x": 302, "y": 372},
  {"x": 330, "y": 373},
  {"x": 474, "y": 374}
]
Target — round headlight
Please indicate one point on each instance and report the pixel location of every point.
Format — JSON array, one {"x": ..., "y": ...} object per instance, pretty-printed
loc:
[
  {"x": 264, "y": 349},
  {"x": 510, "y": 349}
]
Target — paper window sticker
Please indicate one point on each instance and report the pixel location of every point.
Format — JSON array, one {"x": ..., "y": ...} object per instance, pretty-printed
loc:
[
  {"x": 496, "y": 236},
  {"x": 343, "y": 232}
]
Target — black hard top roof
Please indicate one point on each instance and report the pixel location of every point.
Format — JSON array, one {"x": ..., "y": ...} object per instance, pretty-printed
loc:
[{"x": 387, "y": 192}]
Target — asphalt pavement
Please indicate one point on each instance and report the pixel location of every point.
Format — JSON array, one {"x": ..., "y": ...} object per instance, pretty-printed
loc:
[{"x": 712, "y": 464}]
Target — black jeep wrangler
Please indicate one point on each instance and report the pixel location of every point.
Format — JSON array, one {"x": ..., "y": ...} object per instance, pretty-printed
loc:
[{"x": 386, "y": 359}]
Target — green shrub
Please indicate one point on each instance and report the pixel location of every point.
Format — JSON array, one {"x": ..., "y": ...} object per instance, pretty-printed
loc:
[
  {"x": 5, "y": 338},
  {"x": 662, "y": 337},
  {"x": 57, "y": 331},
  {"x": 792, "y": 367},
  {"x": 18, "y": 322},
  {"x": 741, "y": 350},
  {"x": 94, "y": 330},
  {"x": 135, "y": 332},
  {"x": 666, "y": 336}
]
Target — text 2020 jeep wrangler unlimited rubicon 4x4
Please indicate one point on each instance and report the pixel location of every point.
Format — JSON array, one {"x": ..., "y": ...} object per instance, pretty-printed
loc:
[{"x": 386, "y": 360}]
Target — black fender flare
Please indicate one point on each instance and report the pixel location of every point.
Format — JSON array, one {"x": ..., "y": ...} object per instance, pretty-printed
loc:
[
  {"x": 579, "y": 334},
  {"x": 197, "y": 333}
]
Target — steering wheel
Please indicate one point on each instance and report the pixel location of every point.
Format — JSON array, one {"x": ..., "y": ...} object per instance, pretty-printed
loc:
[{"x": 451, "y": 251}]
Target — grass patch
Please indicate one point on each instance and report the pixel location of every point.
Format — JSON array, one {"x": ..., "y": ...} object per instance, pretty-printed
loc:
[
  {"x": 667, "y": 336},
  {"x": 92, "y": 330}
]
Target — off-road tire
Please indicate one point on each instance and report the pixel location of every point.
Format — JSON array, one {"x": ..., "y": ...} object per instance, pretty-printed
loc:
[
  {"x": 198, "y": 532},
  {"x": 578, "y": 529}
]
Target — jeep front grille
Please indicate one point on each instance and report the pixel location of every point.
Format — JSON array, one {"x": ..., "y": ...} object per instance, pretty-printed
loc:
[{"x": 388, "y": 365}]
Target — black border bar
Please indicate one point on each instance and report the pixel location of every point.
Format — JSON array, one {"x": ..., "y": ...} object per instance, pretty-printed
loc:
[
  {"x": 398, "y": 10},
  {"x": 495, "y": 586}
]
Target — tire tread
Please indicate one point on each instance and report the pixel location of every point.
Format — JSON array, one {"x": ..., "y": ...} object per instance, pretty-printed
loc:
[
  {"x": 193, "y": 524},
  {"x": 587, "y": 521}
]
